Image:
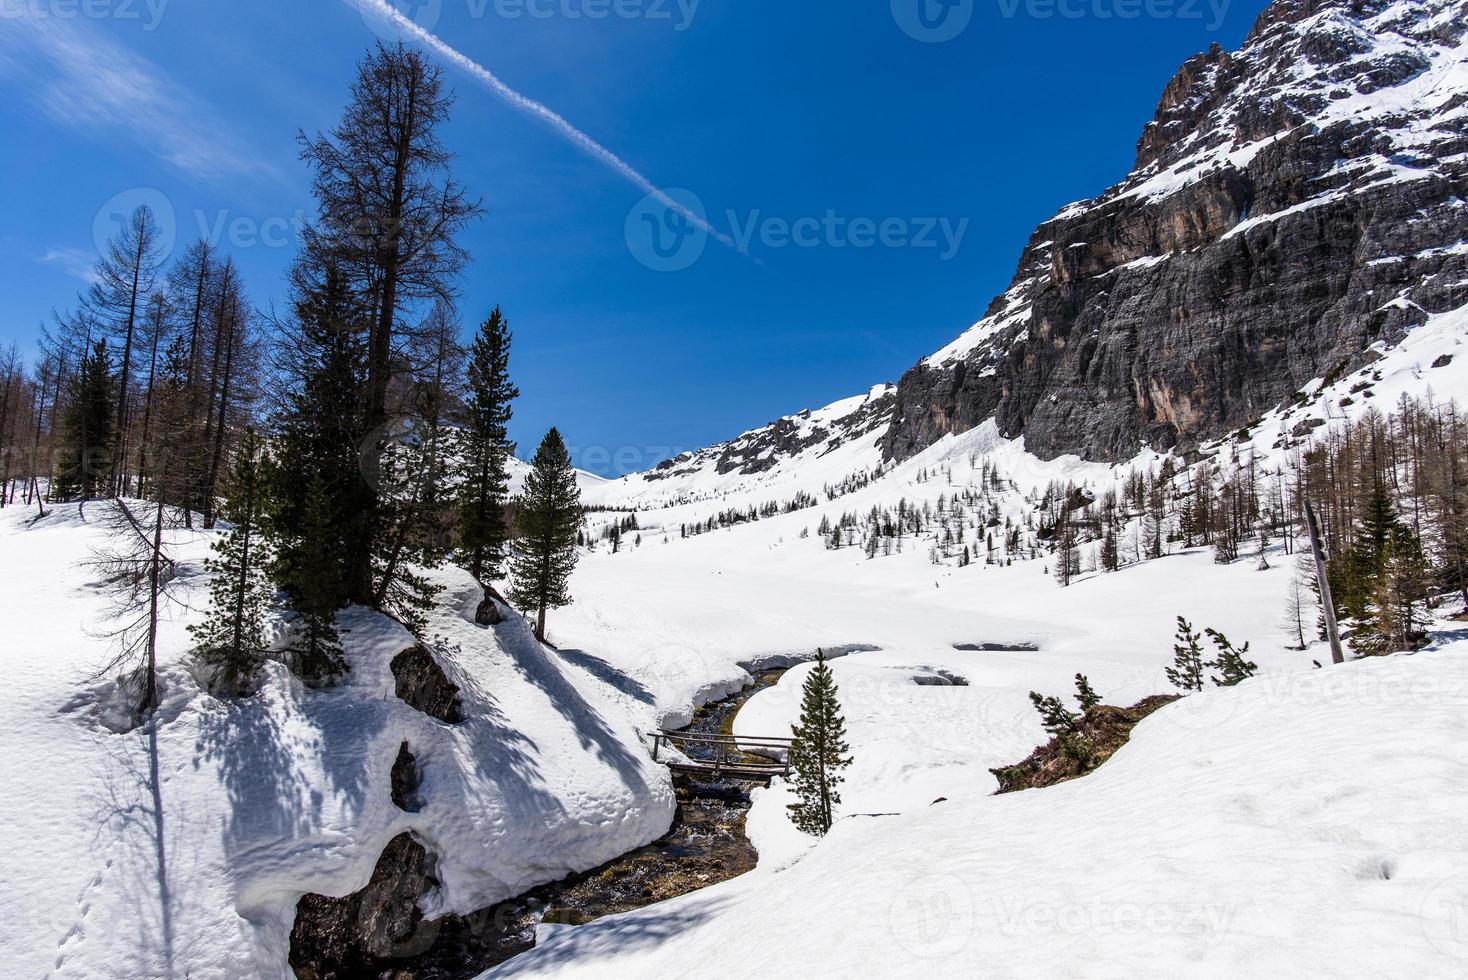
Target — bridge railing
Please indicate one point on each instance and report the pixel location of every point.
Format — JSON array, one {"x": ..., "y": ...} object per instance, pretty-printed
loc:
[{"x": 729, "y": 753}]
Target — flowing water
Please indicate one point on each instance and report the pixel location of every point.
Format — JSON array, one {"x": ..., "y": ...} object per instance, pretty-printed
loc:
[{"x": 705, "y": 845}]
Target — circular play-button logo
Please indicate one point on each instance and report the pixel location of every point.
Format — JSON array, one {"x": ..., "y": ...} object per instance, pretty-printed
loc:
[
  {"x": 667, "y": 231},
  {"x": 933, "y": 21}
]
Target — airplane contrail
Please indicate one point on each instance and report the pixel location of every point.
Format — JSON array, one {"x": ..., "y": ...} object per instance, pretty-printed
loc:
[{"x": 544, "y": 113}]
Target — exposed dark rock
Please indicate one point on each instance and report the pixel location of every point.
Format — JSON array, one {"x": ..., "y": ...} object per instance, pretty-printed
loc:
[
  {"x": 488, "y": 613},
  {"x": 940, "y": 678},
  {"x": 996, "y": 647},
  {"x": 364, "y": 934},
  {"x": 1105, "y": 727},
  {"x": 422, "y": 684},
  {"x": 1306, "y": 427},
  {"x": 405, "y": 781},
  {"x": 1171, "y": 313},
  {"x": 1443, "y": 361},
  {"x": 761, "y": 449}
]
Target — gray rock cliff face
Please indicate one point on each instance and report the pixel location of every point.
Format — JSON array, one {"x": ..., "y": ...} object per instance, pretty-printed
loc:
[{"x": 1293, "y": 203}]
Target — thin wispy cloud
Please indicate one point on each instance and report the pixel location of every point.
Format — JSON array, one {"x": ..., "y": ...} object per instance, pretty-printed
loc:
[
  {"x": 542, "y": 112},
  {"x": 75, "y": 262},
  {"x": 81, "y": 79}
]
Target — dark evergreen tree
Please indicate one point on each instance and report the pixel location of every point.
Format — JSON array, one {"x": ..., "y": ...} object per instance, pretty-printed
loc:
[
  {"x": 485, "y": 452},
  {"x": 1391, "y": 620},
  {"x": 315, "y": 653},
  {"x": 87, "y": 434},
  {"x": 232, "y": 643},
  {"x": 1110, "y": 557},
  {"x": 818, "y": 753},
  {"x": 1232, "y": 664},
  {"x": 318, "y": 441},
  {"x": 548, "y": 513},
  {"x": 389, "y": 214},
  {"x": 1360, "y": 569},
  {"x": 1085, "y": 694},
  {"x": 1059, "y": 721},
  {"x": 1064, "y": 725},
  {"x": 1186, "y": 672},
  {"x": 415, "y": 508}
]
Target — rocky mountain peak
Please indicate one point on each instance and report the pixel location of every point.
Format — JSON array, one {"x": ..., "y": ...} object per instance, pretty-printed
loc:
[{"x": 1294, "y": 203}]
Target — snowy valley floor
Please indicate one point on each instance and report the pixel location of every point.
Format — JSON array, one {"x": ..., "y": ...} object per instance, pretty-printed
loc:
[
  {"x": 1310, "y": 821},
  {"x": 1307, "y": 824}
]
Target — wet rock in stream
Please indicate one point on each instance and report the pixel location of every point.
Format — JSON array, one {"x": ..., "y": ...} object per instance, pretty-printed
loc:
[{"x": 705, "y": 845}]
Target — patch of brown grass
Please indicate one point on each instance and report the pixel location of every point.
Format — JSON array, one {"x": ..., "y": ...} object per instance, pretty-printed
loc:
[{"x": 1103, "y": 730}]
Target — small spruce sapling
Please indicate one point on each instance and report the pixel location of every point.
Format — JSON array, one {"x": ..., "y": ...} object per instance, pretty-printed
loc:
[
  {"x": 1086, "y": 694},
  {"x": 1186, "y": 672},
  {"x": 1230, "y": 663},
  {"x": 232, "y": 641},
  {"x": 1064, "y": 725},
  {"x": 1058, "y": 720}
]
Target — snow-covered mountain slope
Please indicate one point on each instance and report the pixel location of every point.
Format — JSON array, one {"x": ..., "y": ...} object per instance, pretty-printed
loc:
[
  {"x": 1293, "y": 203},
  {"x": 1301, "y": 825},
  {"x": 518, "y": 469},
  {"x": 669, "y": 609},
  {"x": 812, "y": 448},
  {"x": 181, "y": 850},
  {"x": 1296, "y": 207}
]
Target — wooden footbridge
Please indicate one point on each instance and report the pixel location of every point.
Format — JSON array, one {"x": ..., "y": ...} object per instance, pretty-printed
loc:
[{"x": 716, "y": 757}]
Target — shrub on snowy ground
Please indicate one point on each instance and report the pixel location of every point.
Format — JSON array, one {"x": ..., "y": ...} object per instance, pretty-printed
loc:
[{"x": 1065, "y": 726}]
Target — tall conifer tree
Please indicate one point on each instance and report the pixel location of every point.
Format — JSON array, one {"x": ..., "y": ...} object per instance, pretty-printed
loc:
[
  {"x": 549, "y": 517},
  {"x": 316, "y": 587},
  {"x": 819, "y": 752},
  {"x": 87, "y": 434},
  {"x": 485, "y": 452}
]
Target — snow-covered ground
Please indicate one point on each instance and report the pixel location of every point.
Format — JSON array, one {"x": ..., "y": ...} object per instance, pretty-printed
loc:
[
  {"x": 1302, "y": 824},
  {"x": 1307, "y": 820},
  {"x": 181, "y": 849}
]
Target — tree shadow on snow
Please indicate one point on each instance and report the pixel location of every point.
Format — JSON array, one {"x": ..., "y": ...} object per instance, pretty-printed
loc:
[
  {"x": 258, "y": 755},
  {"x": 139, "y": 839},
  {"x": 593, "y": 731},
  {"x": 506, "y": 757},
  {"x": 607, "y": 674},
  {"x": 605, "y": 939}
]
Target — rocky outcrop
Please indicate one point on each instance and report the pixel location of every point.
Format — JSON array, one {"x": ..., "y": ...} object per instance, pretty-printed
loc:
[
  {"x": 365, "y": 933},
  {"x": 421, "y": 683},
  {"x": 813, "y": 433},
  {"x": 488, "y": 612},
  {"x": 406, "y": 778},
  {"x": 1294, "y": 203}
]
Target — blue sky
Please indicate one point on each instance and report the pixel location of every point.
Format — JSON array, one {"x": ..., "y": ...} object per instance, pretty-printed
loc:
[{"x": 885, "y": 183}]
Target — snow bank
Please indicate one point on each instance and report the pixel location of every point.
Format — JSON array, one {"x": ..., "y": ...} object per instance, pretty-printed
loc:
[
  {"x": 1301, "y": 824},
  {"x": 181, "y": 850}
]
